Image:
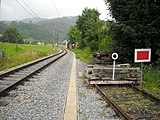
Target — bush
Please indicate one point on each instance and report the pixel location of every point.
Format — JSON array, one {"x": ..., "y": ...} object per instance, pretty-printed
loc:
[
  {"x": 104, "y": 44},
  {"x": 84, "y": 55}
]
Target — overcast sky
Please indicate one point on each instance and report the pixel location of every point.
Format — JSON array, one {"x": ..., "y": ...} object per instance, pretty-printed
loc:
[{"x": 12, "y": 10}]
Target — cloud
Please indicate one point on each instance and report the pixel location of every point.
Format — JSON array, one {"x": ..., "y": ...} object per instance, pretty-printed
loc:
[{"x": 11, "y": 10}]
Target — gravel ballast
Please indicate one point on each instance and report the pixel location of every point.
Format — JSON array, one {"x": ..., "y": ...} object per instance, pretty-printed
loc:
[
  {"x": 91, "y": 104},
  {"x": 43, "y": 96}
]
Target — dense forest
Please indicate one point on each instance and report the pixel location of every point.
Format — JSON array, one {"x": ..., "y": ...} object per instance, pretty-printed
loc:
[
  {"x": 44, "y": 30},
  {"x": 135, "y": 24}
]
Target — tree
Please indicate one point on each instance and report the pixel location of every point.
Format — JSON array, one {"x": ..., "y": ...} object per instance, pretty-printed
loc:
[
  {"x": 90, "y": 31},
  {"x": 74, "y": 35},
  {"x": 88, "y": 24},
  {"x": 12, "y": 35},
  {"x": 3, "y": 27},
  {"x": 137, "y": 26}
]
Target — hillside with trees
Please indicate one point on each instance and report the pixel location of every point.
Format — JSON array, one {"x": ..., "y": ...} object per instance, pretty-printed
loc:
[{"x": 43, "y": 30}]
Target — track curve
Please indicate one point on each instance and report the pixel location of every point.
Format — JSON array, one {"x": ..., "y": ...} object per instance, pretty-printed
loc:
[{"x": 11, "y": 78}]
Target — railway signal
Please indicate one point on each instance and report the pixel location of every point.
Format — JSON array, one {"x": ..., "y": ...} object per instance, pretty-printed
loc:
[
  {"x": 114, "y": 56},
  {"x": 140, "y": 56}
]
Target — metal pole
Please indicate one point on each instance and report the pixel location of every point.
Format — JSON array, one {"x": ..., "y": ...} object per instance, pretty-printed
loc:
[
  {"x": 113, "y": 77},
  {"x": 141, "y": 74},
  {"x": 57, "y": 39},
  {"x": 53, "y": 35},
  {"x": 0, "y": 10}
]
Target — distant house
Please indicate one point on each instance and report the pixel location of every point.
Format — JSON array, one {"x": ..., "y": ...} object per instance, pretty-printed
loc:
[
  {"x": 70, "y": 45},
  {"x": 39, "y": 43},
  {"x": 1, "y": 37}
]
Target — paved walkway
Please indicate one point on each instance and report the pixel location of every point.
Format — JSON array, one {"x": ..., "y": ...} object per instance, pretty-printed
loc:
[{"x": 70, "y": 109}]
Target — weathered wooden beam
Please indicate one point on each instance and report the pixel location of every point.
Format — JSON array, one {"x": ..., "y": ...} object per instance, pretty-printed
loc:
[{"x": 112, "y": 82}]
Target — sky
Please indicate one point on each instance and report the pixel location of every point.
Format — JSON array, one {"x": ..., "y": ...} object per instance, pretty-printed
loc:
[{"x": 12, "y": 10}]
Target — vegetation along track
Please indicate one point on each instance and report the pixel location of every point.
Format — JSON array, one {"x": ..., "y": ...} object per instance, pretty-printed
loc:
[
  {"x": 12, "y": 78},
  {"x": 131, "y": 103}
]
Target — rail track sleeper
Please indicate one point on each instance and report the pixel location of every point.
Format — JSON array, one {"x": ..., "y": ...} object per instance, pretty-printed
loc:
[
  {"x": 8, "y": 79},
  {"x": 4, "y": 103},
  {"x": 22, "y": 73},
  {"x": 144, "y": 116},
  {"x": 14, "y": 76},
  {"x": 5, "y": 83},
  {"x": 2, "y": 87}
]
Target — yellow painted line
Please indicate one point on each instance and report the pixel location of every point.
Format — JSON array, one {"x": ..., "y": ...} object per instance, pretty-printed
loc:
[{"x": 70, "y": 112}]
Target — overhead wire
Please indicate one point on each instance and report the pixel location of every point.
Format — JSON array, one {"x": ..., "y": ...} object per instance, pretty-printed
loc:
[
  {"x": 31, "y": 10},
  {"x": 59, "y": 14},
  {"x": 34, "y": 15},
  {"x": 25, "y": 9},
  {"x": 40, "y": 19}
]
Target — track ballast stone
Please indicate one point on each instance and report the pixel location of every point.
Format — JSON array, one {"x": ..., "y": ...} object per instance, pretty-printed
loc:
[
  {"x": 91, "y": 104},
  {"x": 43, "y": 96}
]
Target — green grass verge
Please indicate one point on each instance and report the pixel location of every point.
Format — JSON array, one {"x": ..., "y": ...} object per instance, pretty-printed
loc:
[
  {"x": 84, "y": 55},
  {"x": 16, "y": 54},
  {"x": 151, "y": 80}
]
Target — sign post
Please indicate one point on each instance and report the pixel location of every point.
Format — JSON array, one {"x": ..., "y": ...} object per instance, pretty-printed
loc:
[
  {"x": 114, "y": 57},
  {"x": 142, "y": 55}
]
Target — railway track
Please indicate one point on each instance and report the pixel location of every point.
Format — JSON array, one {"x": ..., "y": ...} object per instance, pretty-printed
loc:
[
  {"x": 14, "y": 77},
  {"x": 131, "y": 103}
]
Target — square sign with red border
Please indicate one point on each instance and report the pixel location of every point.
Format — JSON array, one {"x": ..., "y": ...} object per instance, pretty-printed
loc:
[{"x": 142, "y": 55}]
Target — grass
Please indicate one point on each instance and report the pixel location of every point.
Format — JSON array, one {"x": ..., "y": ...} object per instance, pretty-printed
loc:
[
  {"x": 151, "y": 80},
  {"x": 16, "y": 54},
  {"x": 84, "y": 55}
]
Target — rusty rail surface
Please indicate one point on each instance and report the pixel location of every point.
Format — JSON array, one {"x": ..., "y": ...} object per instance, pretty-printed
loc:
[
  {"x": 114, "y": 105},
  {"x": 123, "y": 106}
]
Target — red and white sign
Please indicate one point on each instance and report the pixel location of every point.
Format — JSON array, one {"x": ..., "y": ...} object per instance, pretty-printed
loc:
[{"x": 142, "y": 55}]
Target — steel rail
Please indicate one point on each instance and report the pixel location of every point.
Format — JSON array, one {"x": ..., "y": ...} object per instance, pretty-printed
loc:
[
  {"x": 29, "y": 64},
  {"x": 114, "y": 105},
  {"x": 15, "y": 83},
  {"x": 146, "y": 94},
  {"x": 122, "y": 113}
]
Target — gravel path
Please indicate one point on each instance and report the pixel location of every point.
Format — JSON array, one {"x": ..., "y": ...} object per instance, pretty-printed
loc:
[
  {"x": 43, "y": 96},
  {"x": 91, "y": 105}
]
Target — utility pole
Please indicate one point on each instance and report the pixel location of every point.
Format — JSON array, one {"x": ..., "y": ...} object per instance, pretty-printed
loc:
[
  {"x": 53, "y": 35},
  {"x": 57, "y": 39},
  {"x": 0, "y": 10}
]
